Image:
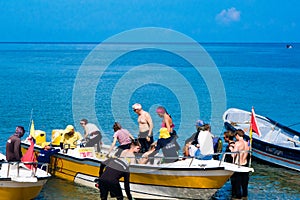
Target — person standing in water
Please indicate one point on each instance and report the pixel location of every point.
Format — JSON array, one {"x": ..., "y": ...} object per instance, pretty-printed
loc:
[
  {"x": 111, "y": 170},
  {"x": 229, "y": 138},
  {"x": 241, "y": 178}
]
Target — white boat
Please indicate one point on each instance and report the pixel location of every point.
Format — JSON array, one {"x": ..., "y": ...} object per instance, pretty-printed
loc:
[
  {"x": 187, "y": 178},
  {"x": 277, "y": 144},
  {"x": 17, "y": 182}
]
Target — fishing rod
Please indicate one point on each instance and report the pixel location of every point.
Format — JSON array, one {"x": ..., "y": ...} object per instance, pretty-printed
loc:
[
  {"x": 293, "y": 124},
  {"x": 30, "y": 121}
]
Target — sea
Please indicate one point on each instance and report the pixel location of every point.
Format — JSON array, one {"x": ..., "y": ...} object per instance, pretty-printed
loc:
[{"x": 56, "y": 84}]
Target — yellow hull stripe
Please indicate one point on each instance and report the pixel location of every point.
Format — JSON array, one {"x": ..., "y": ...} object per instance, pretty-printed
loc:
[{"x": 24, "y": 193}]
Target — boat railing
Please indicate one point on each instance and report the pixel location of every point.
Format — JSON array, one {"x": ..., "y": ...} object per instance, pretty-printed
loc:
[
  {"x": 159, "y": 159},
  {"x": 238, "y": 155},
  {"x": 32, "y": 166}
]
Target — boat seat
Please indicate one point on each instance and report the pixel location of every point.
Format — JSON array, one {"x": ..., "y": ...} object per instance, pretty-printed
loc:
[
  {"x": 286, "y": 144},
  {"x": 269, "y": 136}
]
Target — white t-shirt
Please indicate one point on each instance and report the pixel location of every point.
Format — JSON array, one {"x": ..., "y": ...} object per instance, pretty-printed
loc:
[
  {"x": 90, "y": 128},
  {"x": 206, "y": 143}
]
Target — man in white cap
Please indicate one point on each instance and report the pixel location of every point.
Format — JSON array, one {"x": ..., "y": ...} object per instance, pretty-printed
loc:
[{"x": 145, "y": 136}]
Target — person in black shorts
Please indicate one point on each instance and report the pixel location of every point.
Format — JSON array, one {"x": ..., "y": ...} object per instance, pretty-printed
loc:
[{"x": 108, "y": 180}]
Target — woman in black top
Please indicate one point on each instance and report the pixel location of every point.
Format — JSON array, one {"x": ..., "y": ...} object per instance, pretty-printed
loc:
[{"x": 228, "y": 137}]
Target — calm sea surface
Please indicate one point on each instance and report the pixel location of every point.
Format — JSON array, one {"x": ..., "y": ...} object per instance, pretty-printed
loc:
[{"x": 57, "y": 84}]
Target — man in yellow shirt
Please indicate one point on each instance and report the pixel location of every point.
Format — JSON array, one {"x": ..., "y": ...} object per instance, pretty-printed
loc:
[{"x": 70, "y": 138}]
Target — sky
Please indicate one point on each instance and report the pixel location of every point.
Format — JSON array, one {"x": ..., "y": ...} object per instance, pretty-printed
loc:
[{"x": 202, "y": 20}]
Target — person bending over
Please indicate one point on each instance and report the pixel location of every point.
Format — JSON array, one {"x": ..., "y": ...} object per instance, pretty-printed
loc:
[
  {"x": 123, "y": 137},
  {"x": 91, "y": 133},
  {"x": 109, "y": 179}
]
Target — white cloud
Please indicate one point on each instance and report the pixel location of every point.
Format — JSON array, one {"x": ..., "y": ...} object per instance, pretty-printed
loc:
[{"x": 228, "y": 16}]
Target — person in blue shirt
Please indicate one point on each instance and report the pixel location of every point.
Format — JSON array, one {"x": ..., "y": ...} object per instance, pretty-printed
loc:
[{"x": 45, "y": 156}]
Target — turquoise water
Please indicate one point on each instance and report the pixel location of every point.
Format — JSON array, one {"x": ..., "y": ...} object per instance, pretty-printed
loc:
[{"x": 43, "y": 82}]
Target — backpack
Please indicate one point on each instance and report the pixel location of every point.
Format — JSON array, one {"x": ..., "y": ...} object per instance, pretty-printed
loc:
[{"x": 218, "y": 144}]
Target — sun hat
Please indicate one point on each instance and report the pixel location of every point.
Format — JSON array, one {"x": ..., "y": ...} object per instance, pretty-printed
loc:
[
  {"x": 69, "y": 128},
  {"x": 164, "y": 133}
]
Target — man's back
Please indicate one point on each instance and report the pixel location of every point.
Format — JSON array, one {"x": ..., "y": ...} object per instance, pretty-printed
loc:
[
  {"x": 115, "y": 169},
  {"x": 13, "y": 149},
  {"x": 241, "y": 145}
]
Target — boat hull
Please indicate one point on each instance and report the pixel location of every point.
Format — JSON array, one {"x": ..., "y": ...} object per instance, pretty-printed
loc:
[
  {"x": 162, "y": 192},
  {"x": 11, "y": 190},
  {"x": 273, "y": 146},
  {"x": 176, "y": 183},
  {"x": 186, "y": 179},
  {"x": 277, "y": 155}
]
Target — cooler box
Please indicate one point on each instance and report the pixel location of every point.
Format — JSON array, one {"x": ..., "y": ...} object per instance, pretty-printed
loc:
[
  {"x": 40, "y": 137},
  {"x": 56, "y": 137}
]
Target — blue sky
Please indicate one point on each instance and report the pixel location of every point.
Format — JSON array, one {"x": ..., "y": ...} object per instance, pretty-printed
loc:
[{"x": 203, "y": 20}]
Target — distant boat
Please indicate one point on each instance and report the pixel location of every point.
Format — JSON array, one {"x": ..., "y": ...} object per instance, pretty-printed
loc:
[
  {"x": 277, "y": 144},
  {"x": 289, "y": 46}
]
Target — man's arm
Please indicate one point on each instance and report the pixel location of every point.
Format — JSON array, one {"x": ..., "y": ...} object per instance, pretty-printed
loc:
[
  {"x": 150, "y": 123},
  {"x": 85, "y": 134},
  {"x": 53, "y": 151},
  {"x": 112, "y": 145}
]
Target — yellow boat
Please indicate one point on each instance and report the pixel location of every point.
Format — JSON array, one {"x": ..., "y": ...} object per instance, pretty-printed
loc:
[
  {"x": 19, "y": 182},
  {"x": 187, "y": 178}
]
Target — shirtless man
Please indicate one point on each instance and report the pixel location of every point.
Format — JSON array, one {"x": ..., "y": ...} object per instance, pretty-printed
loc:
[
  {"x": 240, "y": 145},
  {"x": 145, "y": 127},
  {"x": 241, "y": 178}
]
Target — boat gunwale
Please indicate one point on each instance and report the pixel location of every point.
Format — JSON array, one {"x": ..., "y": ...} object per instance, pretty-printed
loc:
[
  {"x": 165, "y": 168},
  {"x": 285, "y": 148},
  {"x": 143, "y": 166}
]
